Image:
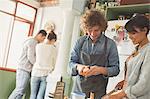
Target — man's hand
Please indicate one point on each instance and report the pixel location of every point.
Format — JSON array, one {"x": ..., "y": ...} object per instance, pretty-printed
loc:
[
  {"x": 85, "y": 70},
  {"x": 96, "y": 70},
  {"x": 82, "y": 69},
  {"x": 120, "y": 85}
]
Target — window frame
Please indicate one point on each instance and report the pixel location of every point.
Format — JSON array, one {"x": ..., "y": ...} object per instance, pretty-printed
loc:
[{"x": 16, "y": 18}]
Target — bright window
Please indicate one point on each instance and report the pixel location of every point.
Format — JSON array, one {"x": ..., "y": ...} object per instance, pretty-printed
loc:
[
  {"x": 5, "y": 32},
  {"x": 20, "y": 32},
  {"x": 14, "y": 28},
  {"x": 25, "y": 12},
  {"x": 7, "y": 6}
]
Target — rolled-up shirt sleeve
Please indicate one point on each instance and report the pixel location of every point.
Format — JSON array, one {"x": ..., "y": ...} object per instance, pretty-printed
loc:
[
  {"x": 113, "y": 61},
  {"x": 112, "y": 57},
  {"x": 74, "y": 59}
]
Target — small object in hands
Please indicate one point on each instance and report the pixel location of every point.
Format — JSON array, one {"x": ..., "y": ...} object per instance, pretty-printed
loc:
[{"x": 85, "y": 70}]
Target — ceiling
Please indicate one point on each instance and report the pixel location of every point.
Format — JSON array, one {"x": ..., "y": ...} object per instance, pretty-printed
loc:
[{"x": 48, "y": 2}]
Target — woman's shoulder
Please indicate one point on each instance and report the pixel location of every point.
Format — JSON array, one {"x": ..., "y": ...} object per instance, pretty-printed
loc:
[
  {"x": 146, "y": 48},
  {"x": 43, "y": 46},
  {"x": 148, "y": 45},
  {"x": 145, "y": 51},
  {"x": 40, "y": 44}
]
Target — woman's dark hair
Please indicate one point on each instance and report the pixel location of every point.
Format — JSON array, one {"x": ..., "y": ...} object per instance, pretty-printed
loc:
[
  {"x": 51, "y": 36},
  {"x": 139, "y": 21},
  {"x": 43, "y": 32}
]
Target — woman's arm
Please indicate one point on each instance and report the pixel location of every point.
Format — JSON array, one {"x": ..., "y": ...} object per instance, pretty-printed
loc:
[
  {"x": 141, "y": 87},
  {"x": 116, "y": 95}
]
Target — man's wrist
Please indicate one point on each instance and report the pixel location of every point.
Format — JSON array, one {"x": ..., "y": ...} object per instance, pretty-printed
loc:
[
  {"x": 103, "y": 70},
  {"x": 77, "y": 66}
]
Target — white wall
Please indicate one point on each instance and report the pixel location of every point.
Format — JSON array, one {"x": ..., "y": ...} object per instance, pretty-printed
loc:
[{"x": 53, "y": 14}]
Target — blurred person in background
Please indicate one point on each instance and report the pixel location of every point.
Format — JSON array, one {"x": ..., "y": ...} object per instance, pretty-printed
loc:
[
  {"x": 26, "y": 61},
  {"x": 45, "y": 62}
]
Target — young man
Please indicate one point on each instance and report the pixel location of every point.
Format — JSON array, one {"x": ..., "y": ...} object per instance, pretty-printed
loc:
[
  {"x": 25, "y": 64},
  {"x": 94, "y": 57}
]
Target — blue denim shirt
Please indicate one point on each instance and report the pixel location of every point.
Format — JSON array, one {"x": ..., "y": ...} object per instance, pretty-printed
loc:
[{"x": 112, "y": 58}]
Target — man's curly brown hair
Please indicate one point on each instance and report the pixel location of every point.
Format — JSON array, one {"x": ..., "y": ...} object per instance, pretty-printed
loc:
[{"x": 93, "y": 18}]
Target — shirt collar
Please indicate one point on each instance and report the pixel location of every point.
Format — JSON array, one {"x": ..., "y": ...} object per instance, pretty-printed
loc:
[{"x": 100, "y": 38}]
